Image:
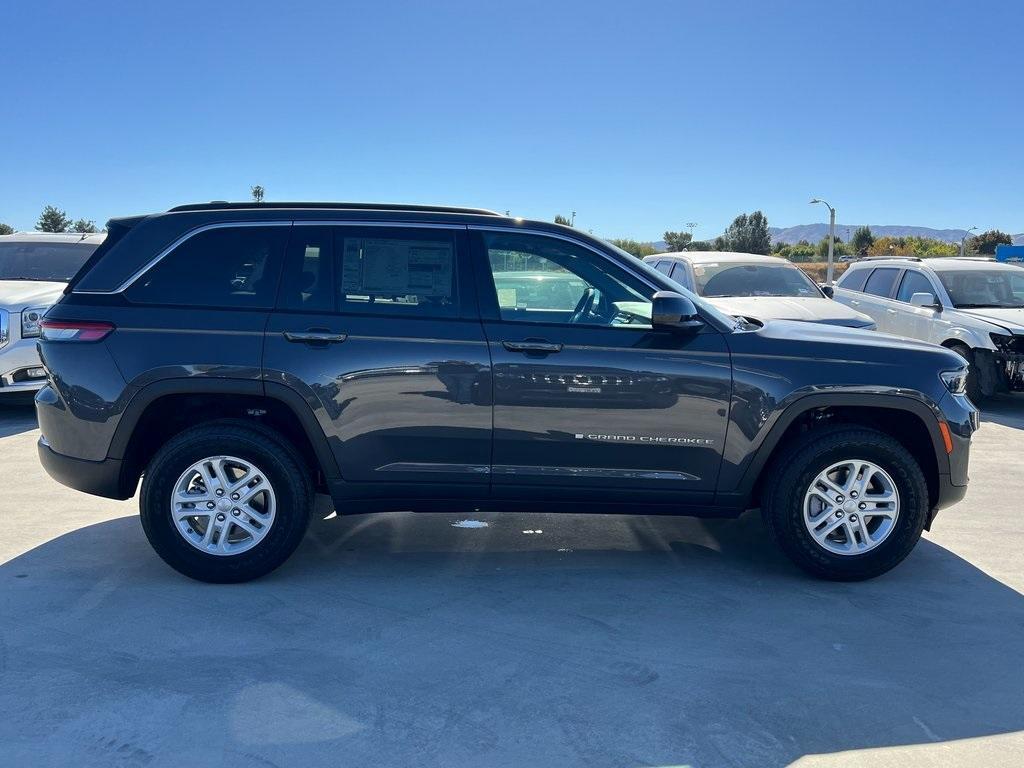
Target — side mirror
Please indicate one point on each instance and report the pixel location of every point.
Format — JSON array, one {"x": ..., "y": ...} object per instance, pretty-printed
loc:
[
  {"x": 925, "y": 300},
  {"x": 828, "y": 290},
  {"x": 673, "y": 311}
]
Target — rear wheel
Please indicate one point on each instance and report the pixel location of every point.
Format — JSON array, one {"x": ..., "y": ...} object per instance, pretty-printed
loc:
[
  {"x": 225, "y": 502},
  {"x": 845, "y": 502}
]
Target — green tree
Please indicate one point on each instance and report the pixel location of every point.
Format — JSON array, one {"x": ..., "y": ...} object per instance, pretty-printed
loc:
[
  {"x": 862, "y": 240},
  {"x": 748, "y": 233},
  {"x": 838, "y": 249},
  {"x": 257, "y": 193},
  {"x": 701, "y": 245},
  {"x": 677, "y": 241},
  {"x": 560, "y": 219},
  {"x": 53, "y": 219},
  {"x": 986, "y": 242},
  {"x": 6, "y": 229},
  {"x": 85, "y": 226},
  {"x": 635, "y": 247}
]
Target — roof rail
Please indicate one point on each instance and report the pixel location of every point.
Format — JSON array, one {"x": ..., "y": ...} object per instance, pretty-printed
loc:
[
  {"x": 968, "y": 258},
  {"x": 893, "y": 258},
  {"x": 222, "y": 205}
]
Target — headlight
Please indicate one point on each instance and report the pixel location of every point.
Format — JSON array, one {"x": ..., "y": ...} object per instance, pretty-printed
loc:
[
  {"x": 30, "y": 320},
  {"x": 955, "y": 381}
]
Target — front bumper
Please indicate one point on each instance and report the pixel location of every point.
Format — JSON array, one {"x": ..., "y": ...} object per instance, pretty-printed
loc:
[
  {"x": 100, "y": 478},
  {"x": 18, "y": 359}
]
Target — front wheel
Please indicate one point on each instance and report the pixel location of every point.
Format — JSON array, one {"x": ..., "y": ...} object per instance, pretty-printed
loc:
[
  {"x": 225, "y": 502},
  {"x": 845, "y": 503}
]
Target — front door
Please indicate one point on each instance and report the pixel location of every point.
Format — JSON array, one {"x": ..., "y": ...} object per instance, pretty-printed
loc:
[
  {"x": 374, "y": 330},
  {"x": 587, "y": 397}
]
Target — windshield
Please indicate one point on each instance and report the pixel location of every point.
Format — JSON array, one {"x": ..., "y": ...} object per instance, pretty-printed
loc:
[
  {"x": 752, "y": 279},
  {"x": 57, "y": 262},
  {"x": 970, "y": 288},
  {"x": 658, "y": 278}
]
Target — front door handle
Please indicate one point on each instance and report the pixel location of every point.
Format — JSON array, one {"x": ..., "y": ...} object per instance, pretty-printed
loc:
[
  {"x": 532, "y": 345},
  {"x": 314, "y": 336},
  {"x": 891, "y": 311}
]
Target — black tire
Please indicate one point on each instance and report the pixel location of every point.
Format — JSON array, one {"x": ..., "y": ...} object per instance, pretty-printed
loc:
[
  {"x": 974, "y": 392},
  {"x": 793, "y": 470},
  {"x": 277, "y": 459}
]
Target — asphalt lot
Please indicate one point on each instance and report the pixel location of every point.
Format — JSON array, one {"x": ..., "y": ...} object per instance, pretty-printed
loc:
[{"x": 539, "y": 640}]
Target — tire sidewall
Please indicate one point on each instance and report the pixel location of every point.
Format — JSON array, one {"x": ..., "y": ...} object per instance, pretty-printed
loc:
[
  {"x": 788, "y": 509},
  {"x": 290, "y": 519}
]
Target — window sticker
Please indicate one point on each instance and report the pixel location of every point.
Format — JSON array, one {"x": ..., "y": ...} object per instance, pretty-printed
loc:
[{"x": 378, "y": 267}]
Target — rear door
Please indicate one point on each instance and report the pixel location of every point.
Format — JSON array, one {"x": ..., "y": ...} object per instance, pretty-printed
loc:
[
  {"x": 589, "y": 401},
  {"x": 876, "y": 300},
  {"x": 376, "y": 327}
]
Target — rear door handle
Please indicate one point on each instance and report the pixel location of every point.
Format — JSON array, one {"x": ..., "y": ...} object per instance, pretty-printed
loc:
[
  {"x": 315, "y": 337},
  {"x": 532, "y": 345}
]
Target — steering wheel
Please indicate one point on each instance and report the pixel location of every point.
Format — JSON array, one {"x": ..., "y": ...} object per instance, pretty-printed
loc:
[{"x": 584, "y": 305}]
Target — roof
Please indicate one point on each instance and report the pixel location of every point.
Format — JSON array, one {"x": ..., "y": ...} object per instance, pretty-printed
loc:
[
  {"x": 54, "y": 237},
  {"x": 223, "y": 205},
  {"x": 939, "y": 263},
  {"x": 705, "y": 257}
]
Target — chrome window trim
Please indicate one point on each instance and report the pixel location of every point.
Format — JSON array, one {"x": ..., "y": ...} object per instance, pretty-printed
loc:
[
  {"x": 5, "y": 327},
  {"x": 182, "y": 239},
  {"x": 137, "y": 275},
  {"x": 615, "y": 262}
]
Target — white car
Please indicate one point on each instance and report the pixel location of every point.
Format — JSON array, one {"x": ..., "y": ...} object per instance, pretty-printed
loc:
[
  {"x": 972, "y": 305},
  {"x": 34, "y": 269},
  {"x": 755, "y": 286}
]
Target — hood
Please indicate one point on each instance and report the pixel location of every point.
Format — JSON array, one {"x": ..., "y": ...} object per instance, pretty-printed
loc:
[
  {"x": 809, "y": 309},
  {"x": 1010, "y": 318},
  {"x": 15, "y": 295},
  {"x": 861, "y": 344}
]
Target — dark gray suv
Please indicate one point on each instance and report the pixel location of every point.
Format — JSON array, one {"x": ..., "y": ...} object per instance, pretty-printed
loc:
[{"x": 240, "y": 358}]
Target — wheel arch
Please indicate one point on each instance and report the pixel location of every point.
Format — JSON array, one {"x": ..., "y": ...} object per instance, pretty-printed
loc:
[{"x": 163, "y": 409}]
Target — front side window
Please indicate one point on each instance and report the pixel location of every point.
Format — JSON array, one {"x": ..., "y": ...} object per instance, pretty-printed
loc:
[
  {"x": 224, "y": 267},
  {"x": 979, "y": 288},
  {"x": 881, "y": 281},
  {"x": 548, "y": 280},
  {"x": 914, "y": 282},
  {"x": 56, "y": 262},
  {"x": 388, "y": 270},
  {"x": 722, "y": 279}
]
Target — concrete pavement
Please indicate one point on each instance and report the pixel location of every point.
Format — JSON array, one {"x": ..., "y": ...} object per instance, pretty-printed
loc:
[{"x": 538, "y": 640}]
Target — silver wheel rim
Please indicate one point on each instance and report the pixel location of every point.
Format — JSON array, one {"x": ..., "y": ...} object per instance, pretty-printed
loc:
[
  {"x": 851, "y": 507},
  {"x": 223, "y": 505}
]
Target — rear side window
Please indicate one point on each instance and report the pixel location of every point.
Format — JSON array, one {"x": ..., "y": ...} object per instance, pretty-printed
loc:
[
  {"x": 914, "y": 282},
  {"x": 853, "y": 279},
  {"x": 395, "y": 271},
  {"x": 881, "y": 281},
  {"x": 226, "y": 267},
  {"x": 665, "y": 267}
]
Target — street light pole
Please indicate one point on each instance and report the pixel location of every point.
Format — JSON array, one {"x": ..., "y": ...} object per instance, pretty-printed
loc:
[
  {"x": 963, "y": 240},
  {"x": 830, "y": 272}
]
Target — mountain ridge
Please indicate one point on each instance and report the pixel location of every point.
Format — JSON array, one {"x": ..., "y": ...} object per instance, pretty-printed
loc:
[{"x": 815, "y": 232}]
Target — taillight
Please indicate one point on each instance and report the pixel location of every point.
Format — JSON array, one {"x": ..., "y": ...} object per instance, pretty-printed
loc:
[{"x": 75, "y": 330}]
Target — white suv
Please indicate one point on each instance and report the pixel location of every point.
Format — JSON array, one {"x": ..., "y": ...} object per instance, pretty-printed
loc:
[
  {"x": 34, "y": 269},
  {"x": 972, "y": 305}
]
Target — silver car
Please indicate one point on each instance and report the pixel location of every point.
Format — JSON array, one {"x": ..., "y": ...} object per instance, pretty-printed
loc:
[
  {"x": 35, "y": 267},
  {"x": 756, "y": 286},
  {"x": 972, "y": 305}
]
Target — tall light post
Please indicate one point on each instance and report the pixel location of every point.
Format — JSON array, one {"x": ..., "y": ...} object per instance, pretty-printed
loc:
[
  {"x": 964, "y": 239},
  {"x": 830, "y": 272}
]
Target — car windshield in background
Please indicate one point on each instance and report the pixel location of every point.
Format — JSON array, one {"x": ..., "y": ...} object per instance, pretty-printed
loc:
[
  {"x": 57, "y": 262},
  {"x": 970, "y": 288},
  {"x": 752, "y": 279}
]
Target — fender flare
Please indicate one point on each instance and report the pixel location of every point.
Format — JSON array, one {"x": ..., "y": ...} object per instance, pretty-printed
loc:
[
  {"x": 925, "y": 412},
  {"x": 291, "y": 399}
]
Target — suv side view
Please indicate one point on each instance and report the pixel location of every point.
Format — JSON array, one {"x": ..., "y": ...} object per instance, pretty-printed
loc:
[
  {"x": 240, "y": 358},
  {"x": 972, "y": 305}
]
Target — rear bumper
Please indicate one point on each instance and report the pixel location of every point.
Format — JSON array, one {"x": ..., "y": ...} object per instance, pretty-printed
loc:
[{"x": 100, "y": 478}]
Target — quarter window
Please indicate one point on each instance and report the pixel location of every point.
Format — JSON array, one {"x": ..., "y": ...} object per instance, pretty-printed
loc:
[
  {"x": 914, "y": 282},
  {"x": 548, "y": 280},
  {"x": 881, "y": 281},
  {"x": 853, "y": 279},
  {"x": 226, "y": 267}
]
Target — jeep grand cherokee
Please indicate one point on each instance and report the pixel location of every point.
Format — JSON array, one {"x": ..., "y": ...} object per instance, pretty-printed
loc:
[{"x": 240, "y": 358}]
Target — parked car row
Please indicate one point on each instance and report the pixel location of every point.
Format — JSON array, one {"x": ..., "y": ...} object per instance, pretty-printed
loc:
[
  {"x": 239, "y": 358},
  {"x": 971, "y": 305}
]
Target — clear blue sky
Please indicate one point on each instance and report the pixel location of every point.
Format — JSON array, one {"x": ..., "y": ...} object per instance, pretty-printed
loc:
[{"x": 641, "y": 116}]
